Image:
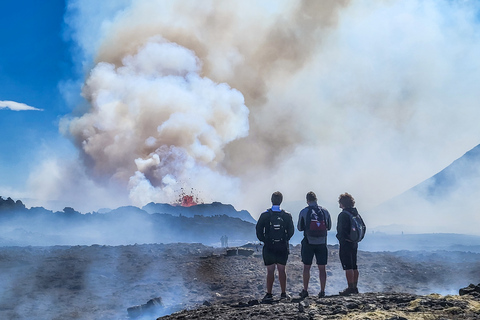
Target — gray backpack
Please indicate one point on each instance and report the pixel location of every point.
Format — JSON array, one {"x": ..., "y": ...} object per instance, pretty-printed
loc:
[{"x": 357, "y": 227}]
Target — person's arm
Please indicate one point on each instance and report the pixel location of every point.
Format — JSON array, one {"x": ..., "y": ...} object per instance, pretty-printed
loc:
[
  {"x": 365, "y": 226},
  {"x": 328, "y": 219},
  {"x": 301, "y": 221},
  {"x": 342, "y": 227},
  {"x": 260, "y": 227}
]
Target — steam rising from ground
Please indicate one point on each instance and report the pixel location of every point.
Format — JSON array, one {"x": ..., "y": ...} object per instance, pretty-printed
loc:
[{"x": 370, "y": 98}]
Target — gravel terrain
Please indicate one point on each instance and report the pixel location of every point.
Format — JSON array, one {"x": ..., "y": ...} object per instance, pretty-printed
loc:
[{"x": 153, "y": 280}]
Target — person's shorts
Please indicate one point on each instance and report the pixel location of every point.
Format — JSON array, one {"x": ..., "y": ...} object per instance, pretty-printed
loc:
[
  {"x": 275, "y": 254},
  {"x": 348, "y": 255},
  {"x": 320, "y": 252}
]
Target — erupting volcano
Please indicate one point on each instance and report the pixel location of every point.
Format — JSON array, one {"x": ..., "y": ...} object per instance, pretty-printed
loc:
[{"x": 188, "y": 200}]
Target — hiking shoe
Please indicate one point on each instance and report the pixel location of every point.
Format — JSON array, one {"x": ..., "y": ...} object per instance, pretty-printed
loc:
[
  {"x": 268, "y": 297},
  {"x": 321, "y": 294},
  {"x": 303, "y": 294},
  {"x": 285, "y": 296},
  {"x": 355, "y": 291},
  {"x": 346, "y": 292}
]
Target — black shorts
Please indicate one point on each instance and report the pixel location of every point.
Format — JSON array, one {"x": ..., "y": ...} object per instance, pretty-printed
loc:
[
  {"x": 348, "y": 255},
  {"x": 275, "y": 254},
  {"x": 320, "y": 252}
]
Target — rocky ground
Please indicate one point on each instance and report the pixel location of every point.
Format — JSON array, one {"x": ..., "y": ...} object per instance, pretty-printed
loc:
[
  {"x": 391, "y": 306},
  {"x": 150, "y": 281}
]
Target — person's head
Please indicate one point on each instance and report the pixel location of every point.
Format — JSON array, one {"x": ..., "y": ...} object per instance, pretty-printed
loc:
[
  {"x": 277, "y": 198},
  {"x": 311, "y": 196},
  {"x": 346, "y": 200}
]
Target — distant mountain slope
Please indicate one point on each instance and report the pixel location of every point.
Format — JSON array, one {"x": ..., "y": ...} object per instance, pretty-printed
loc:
[
  {"x": 465, "y": 169},
  {"x": 121, "y": 226},
  {"x": 446, "y": 203},
  {"x": 212, "y": 209}
]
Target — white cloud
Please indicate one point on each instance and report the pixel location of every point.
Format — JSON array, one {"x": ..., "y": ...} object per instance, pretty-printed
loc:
[{"x": 16, "y": 106}]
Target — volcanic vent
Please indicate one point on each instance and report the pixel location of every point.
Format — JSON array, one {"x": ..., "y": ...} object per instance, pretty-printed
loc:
[{"x": 188, "y": 199}]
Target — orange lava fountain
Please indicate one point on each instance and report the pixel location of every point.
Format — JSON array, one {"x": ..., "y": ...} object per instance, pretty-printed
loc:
[{"x": 187, "y": 200}]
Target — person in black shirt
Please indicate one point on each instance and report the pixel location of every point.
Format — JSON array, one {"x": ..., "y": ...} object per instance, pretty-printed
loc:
[
  {"x": 348, "y": 249},
  {"x": 275, "y": 228}
]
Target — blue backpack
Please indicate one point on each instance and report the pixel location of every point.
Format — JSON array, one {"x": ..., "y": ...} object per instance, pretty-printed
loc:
[{"x": 357, "y": 227}]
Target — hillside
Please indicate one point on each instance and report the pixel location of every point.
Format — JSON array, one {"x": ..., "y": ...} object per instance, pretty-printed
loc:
[
  {"x": 20, "y": 226},
  {"x": 464, "y": 170},
  {"x": 444, "y": 203},
  {"x": 210, "y": 209}
]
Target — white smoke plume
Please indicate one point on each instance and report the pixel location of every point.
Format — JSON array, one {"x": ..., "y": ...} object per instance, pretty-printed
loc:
[
  {"x": 366, "y": 97},
  {"x": 155, "y": 123}
]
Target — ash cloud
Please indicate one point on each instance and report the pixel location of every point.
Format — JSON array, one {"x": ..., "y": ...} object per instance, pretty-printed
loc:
[
  {"x": 155, "y": 123},
  {"x": 341, "y": 96}
]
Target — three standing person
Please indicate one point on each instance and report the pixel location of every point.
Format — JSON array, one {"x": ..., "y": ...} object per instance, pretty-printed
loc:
[
  {"x": 315, "y": 222},
  {"x": 275, "y": 228}
]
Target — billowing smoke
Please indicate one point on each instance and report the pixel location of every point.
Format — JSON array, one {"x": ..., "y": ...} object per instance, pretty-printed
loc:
[
  {"x": 156, "y": 125},
  {"x": 370, "y": 98}
]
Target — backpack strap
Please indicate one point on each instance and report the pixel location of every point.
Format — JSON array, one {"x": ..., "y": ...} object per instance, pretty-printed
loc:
[
  {"x": 323, "y": 213},
  {"x": 308, "y": 217}
]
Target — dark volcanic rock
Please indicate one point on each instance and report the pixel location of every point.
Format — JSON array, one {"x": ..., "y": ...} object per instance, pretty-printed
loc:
[
  {"x": 240, "y": 251},
  {"x": 473, "y": 290},
  {"x": 153, "y": 306},
  {"x": 392, "y": 306}
]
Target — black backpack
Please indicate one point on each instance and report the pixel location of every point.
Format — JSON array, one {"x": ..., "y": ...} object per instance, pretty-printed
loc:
[
  {"x": 357, "y": 227},
  {"x": 277, "y": 229},
  {"x": 315, "y": 223}
]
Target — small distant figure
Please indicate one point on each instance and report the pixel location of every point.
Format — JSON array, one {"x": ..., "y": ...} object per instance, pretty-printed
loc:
[
  {"x": 222, "y": 240},
  {"x": 275, "y": 228},
  {"x": 350, "y": 230},
  {"x": 315, "y": 222}
]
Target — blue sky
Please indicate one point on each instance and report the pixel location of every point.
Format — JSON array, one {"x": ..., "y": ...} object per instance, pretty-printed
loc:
[{"x": 35, "y": 57}]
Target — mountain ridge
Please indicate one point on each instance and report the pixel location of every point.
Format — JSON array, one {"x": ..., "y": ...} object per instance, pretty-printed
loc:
[{"x": 443, "y": 203}]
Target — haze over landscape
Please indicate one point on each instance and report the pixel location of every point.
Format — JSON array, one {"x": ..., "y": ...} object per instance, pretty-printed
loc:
[
  {"x": 136, "y": 99},
  {"x": 136, "y": 134}
]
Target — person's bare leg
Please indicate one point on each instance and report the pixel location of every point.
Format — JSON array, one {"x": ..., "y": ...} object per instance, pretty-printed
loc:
[
  {"x": 322, "y": 274},
  {"x": 282, "y": 277},
  {"x": 355, "y": 277},
  {"x": 350, "y": 275},
  {"x": 306, "y": 276},
  {"x": 270, "y": 277}
]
